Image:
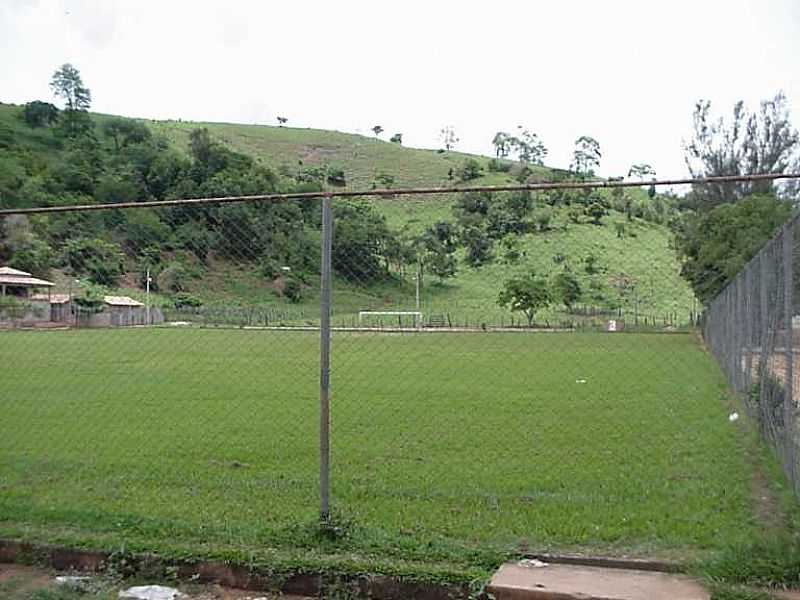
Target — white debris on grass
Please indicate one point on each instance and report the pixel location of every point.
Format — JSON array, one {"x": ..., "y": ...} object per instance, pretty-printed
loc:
[
  {"x": 733, "y": 417},
  {"x": 580, "y": 381},
  {"x": 533, "y": 563},
  {"x": 151, "y": 592},
  {"x": 74, "y": 582}
]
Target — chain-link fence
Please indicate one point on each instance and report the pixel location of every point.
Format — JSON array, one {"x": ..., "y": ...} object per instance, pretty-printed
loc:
[
  {"x": 510, "y": 370},
  {"x": 749, "y": 328}
]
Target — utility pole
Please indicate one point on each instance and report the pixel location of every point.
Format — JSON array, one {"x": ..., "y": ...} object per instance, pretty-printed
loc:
[{"x": 147, "y": 296}]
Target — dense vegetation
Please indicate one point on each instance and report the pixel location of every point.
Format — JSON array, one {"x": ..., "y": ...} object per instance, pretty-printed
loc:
[
  {"x": 71, "y": 156},
  {"x": 67, "y": 156}
]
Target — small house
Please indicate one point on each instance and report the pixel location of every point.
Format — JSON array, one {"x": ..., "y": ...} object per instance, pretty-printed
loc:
[
  {"x": 20, "y": 284},
  {"x": 21, "y": 300}
]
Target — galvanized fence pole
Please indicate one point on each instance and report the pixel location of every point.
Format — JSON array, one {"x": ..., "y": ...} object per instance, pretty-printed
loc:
[
  {"x": 764, "y": 328},
  {"x": 325, "y": 358},
  {"x": 788, "y": 306}
]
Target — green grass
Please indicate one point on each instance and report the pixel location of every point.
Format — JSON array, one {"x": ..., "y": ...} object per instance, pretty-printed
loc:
[{"x": 448, "y": 449}]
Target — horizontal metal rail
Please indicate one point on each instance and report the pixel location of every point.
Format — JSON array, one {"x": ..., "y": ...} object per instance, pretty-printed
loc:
[{"x": 391, "y": 193}]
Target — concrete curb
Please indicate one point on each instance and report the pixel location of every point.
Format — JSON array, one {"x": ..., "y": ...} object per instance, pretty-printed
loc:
[{"x": 609, "y": 562}]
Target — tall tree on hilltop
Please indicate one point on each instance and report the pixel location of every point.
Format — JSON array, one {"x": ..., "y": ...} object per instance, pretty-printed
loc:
[
  {"x": 529, "y": 147},
  {"x": 586, "y": 156},
  {"x": 501, "y": 144},
  {"x": 67, "y": 84},
  {"x": 448, "y": 137}
]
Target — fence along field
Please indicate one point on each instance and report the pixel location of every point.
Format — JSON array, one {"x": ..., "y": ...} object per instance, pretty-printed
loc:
[{"x": 449, "y": 445}]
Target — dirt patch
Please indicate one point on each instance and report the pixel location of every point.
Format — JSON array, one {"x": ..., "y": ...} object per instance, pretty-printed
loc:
[
  {"x": 768, "y": 509},
  {"x": 19, "y": 582}
]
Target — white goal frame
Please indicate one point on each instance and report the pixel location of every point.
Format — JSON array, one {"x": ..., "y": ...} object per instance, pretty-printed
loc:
[{"x": 401, "y": 313}]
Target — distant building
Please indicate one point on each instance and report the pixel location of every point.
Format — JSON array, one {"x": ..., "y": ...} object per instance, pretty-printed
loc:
[
  {"x": 120, "y": 311},
  {"x": 20, "y": 284},
  {"x": 20, "y": 295},
  {"x": 26, "y": 300}
]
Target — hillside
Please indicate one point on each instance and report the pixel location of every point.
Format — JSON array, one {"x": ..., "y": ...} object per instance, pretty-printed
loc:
[{"x": 633, "y": 267}]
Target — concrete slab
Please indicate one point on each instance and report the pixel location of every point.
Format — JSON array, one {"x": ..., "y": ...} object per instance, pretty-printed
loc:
[{"x": 524, "y": 581}]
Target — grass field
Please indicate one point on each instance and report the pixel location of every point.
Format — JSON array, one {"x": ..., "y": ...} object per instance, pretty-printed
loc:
[{"x": 447, "y": 448}]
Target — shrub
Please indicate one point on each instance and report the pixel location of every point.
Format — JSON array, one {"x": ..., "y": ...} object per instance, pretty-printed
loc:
[
  {"x": 270, "y": 268},
  {"x": 591, "y": 264},
  {"x": 174, "y": 278},
  {"x": 470, "y": 169},
  {"x": 293, "y": 290},
  {"x": 596, "y": 211},
  {"x": 543, "y": 217},
  {"x": 336, "y": 177},
  {"x": 184, "y": 300},
  {"x": 101, "y": 260},
  {"x": 499, "y": 166},
  {"x": 39, "y": 114},
  {"x": 566, "y": 288}
]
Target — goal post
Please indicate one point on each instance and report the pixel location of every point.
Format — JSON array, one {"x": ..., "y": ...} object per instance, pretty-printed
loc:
[{"x": 417, "y": 315}]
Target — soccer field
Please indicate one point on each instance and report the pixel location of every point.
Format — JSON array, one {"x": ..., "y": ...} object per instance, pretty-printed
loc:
[{"x": 445, "y": 445}]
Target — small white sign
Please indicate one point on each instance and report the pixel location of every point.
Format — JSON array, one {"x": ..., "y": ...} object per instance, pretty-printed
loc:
[{"x": 612, "y": 325}]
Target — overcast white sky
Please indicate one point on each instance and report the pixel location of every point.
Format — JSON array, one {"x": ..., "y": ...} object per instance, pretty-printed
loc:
[{"x": 625, "y": 72}]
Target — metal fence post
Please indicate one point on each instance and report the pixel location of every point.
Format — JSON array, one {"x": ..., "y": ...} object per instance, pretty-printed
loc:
[
  {"x": 325, "y": 358},
  {"x": 788, "y": 310}
]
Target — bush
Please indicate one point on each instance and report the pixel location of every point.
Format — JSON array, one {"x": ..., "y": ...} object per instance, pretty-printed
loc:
[
  {"x": 12, "y": 308},
  {"x": 39, "y": 114},
  {"x": 101, "y": 260},
  {"x": 591, "y": 264},
  {"x": 293, "y": 290},
  {"x": 336, "y": 177},
  {"x": 174, "y": 278},
  {"x": 499, "y": 166},
  {"x": 543, "y": 217},
  {"x": 270, "y": 268},
  {"x": 470, "y": 169},
  {"x": 184, "y": 300}
]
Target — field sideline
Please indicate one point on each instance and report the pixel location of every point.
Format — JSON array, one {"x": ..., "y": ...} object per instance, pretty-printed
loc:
[{"x": 444, "y": 446}]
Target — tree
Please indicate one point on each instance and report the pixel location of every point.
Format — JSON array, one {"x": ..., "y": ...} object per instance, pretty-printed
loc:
[
  {"x": 360, "y": 237},
  {"x": 67, "y": 84},
  {"x": 470, "y": 169},
  {"x": 282, "y": 121},
  {"x": 527, "y": 295},
  {"x": 586, "y": 156},
  {"x": 39, "y": 114},
  {"x": 750, "y": 143},
  {"x": 641, "y": 171},
  {"x": 448, "y": 137},
  {"x": 125, "y": 131},
  {"x": 478, "y": 245},
  {"x": 529, "y": 147},
  {"x": 397, "y": 138},
  {"x": 566, "y": 288},
  {"x": 437, "y": 247},
  {"x": 501, "y": 143},
  {"x": 377, "y": 130},
  {"x": 21, "y": 248},
  {"x": 101, "y": 260},
  {"x": 596, "y": 211},
  {"x": 716, "y": 244}
]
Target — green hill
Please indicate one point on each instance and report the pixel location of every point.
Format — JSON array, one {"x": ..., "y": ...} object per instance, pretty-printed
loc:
[{"x": 624, "y": 263}]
